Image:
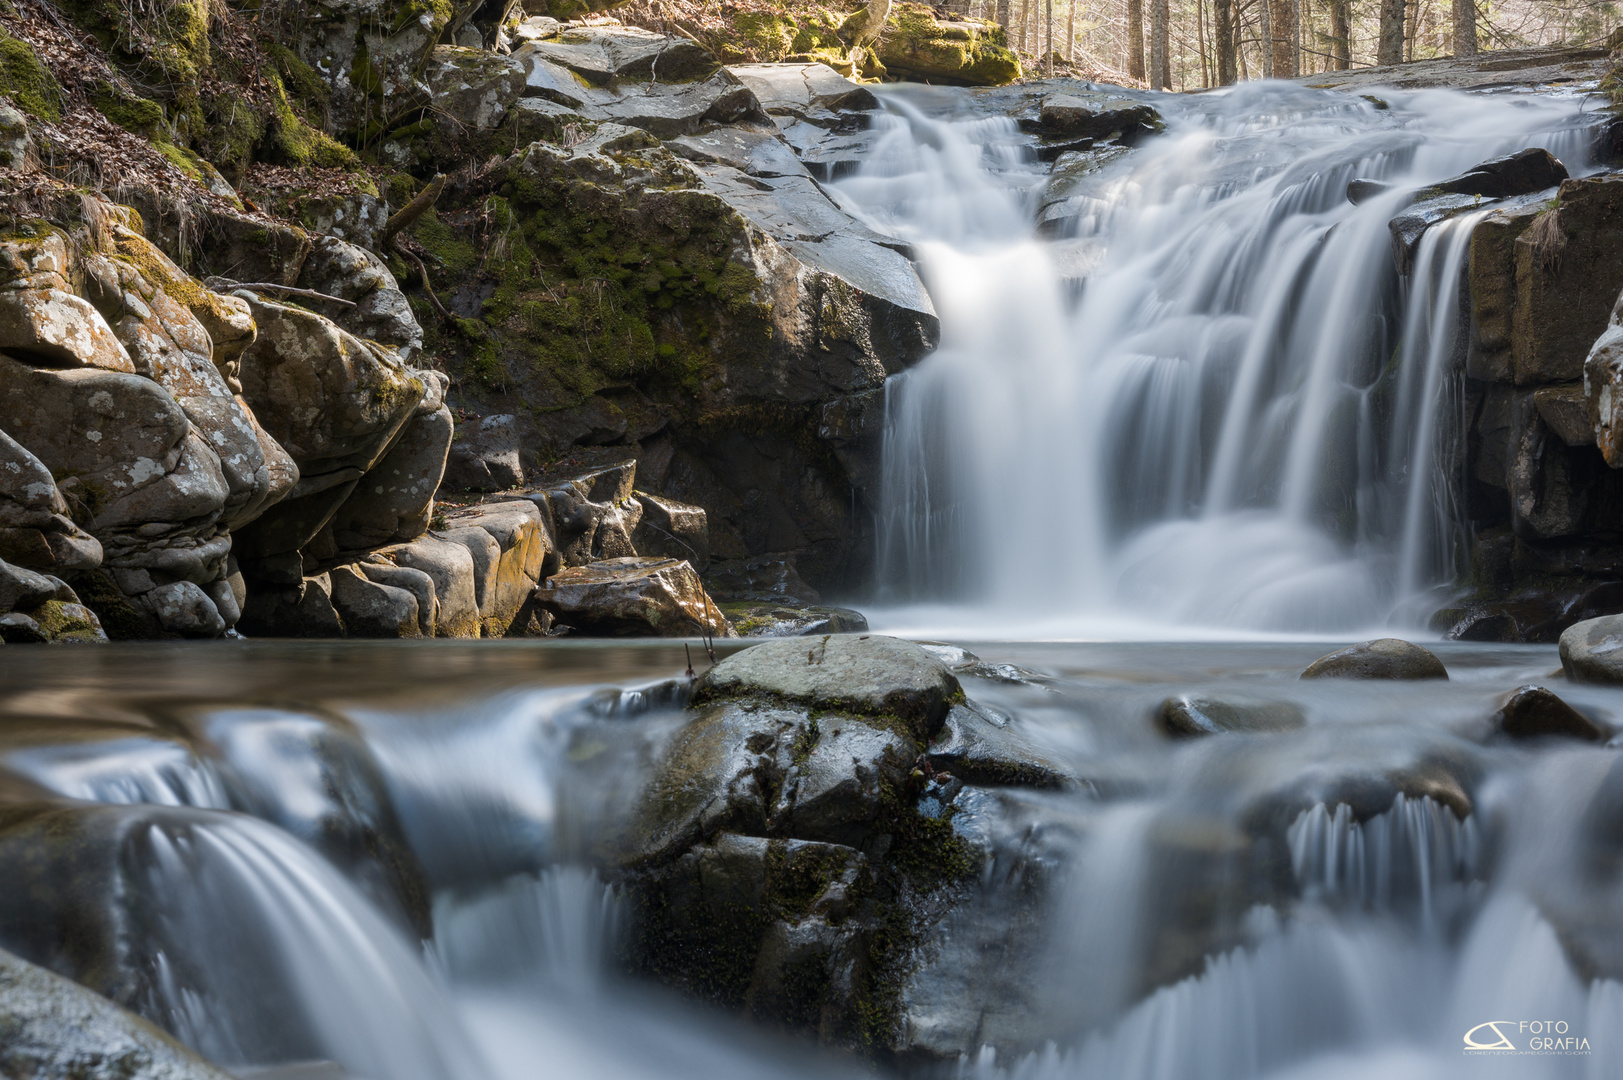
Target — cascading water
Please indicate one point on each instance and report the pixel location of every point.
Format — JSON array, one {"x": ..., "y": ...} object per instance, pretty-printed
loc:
[{"x": 1212, "y": 402}]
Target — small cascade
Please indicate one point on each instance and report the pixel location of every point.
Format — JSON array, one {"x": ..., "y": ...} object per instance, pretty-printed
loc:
[
  {"x": 560, "y": 928},
  {"x": 135, "y": 770},
  {"x": 1416, "y": 855},
  {"x": 260, "y": 952},
  {"x": 1213, "y": 402}
]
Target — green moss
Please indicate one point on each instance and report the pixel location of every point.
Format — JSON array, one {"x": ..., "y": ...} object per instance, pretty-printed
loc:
[
  {"x": 768, "y": 35},
  {"x": 296, "y": 142},
  {"x": 140, "y": 115},
  {"x": 24, "y": 79},
  {"x": 119, "y": 619},
  {"x": 162, "y": 47},
  {"x": 975, "y": 53},
  {"x": 232, "y": 128},
  {"x": 61, "y": 624}
]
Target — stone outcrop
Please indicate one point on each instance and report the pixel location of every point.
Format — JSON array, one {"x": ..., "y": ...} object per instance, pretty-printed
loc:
[{"x": 631, "y": 596}]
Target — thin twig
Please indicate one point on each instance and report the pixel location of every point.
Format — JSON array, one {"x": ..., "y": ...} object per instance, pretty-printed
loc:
[
  {"x": 308, "y": 294},
  {"x": 428, "y": 286}
]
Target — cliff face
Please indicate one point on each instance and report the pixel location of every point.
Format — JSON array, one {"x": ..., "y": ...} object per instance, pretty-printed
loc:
[{"x": 265, "y": 272}]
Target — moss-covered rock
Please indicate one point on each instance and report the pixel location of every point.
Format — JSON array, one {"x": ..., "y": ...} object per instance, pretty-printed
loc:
[
  {"x": 963, "y": 52},
  {"x": 26, "y": 82},
  {"x": 164, "y": 52}
]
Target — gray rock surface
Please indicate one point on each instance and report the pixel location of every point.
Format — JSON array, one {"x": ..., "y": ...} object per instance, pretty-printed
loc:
[
  {"x": 979, "y": 745},
  {"x": 632, "y": 596},
  {"x": 54, "y": 1029},
  {"x": 864, "y": 675},
  {"x": 1592, "y": 650},
  {"x": 1383, "y": 658}
]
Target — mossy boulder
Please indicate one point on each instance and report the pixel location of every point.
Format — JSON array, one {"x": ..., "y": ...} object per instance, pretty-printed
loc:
[
  {"x": 26, "y": 81},
  {"x": 964, "y": 52}
]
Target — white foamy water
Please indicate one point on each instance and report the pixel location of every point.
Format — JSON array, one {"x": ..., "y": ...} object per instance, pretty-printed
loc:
[{"x": 1212, "y": 403}]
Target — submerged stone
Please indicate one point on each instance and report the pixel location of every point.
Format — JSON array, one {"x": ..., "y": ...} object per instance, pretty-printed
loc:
[
  {"x": 1186, "y": 716},
  {"x": 1383, "y": 658},
  {"x": 1532, "y": 711}
]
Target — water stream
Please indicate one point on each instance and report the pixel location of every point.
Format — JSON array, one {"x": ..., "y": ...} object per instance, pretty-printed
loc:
[
  {"x": 1212, "y": 403},
  {"x": 1211, "y": 406}
]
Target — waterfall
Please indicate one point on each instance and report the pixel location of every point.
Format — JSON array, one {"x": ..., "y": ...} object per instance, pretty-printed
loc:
[{"x": 1213, "y": 402}]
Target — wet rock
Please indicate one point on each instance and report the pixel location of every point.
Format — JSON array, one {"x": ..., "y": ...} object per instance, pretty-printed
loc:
[
  {"x": 1075, "y": 185},
  {"x": 1492, "y": 280},
  {"x": 838, "y": 773},
  {"x": 970, "y": 52},
  {"x": 484, "y": 455},
  {"x": 35, "y": 530},
  {"x": 1603, "y": 388},
  {"x": 1532, "y": 711},
  {"x": 1383, "y": 658},
  {"x": 602, "y": 55},
  {"x": 1592, "y": 650},
  {"x": 1408, "y": 227},
  {"x": 395, "y": 499},
  {"x": 632, "y": 597},
  {"x": 871, "y": 674},
  {"x": 1565, "y": 410},
  {"x": 979, "y": 745},
  {"x": 1097, "y": 116},
  {"x": 54, "y": 1028},
  {"x": 772, "y": 578},
  {"x": 801, "y": 620},
  {"x": 1521, "y": 173},
  {"x": 1568, "y": 276},
  {"x": 373, "y": 609},
  {"x": 1361, "y": 191},
  {"x": 672, "y": 529},
  {"x": 1187, "y": 716}
]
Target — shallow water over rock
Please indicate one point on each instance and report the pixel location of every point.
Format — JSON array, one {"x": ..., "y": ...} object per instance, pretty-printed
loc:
[{"x": 393, "y": 856}]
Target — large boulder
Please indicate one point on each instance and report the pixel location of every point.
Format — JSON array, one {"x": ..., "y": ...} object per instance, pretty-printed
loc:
[
  {"x": 1187, "y": 715},
  {"x": 366, "y": 50},
  {"x": 605, "y": 55},
  {"x": 394, "y": 501},
  {"x": 632, "y": 597},
  {"x": 1569, "y": 271},
  {"x": 1521, "y": 173},
  {"x": 138, "y": 289},
  {"x": 1532, "y": 711},
  {"x": 152, "y": 488},
  {"x": 1096, "y": 115},
  {"x": 869, "y": 675},
  {"x": 1592, "y": 650},
  {"x": 52, "y": 1028}
]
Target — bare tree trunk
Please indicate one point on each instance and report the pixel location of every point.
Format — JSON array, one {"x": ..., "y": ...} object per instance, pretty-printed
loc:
[
  {"x": 1003, "y": 14},
  {"x": 1135, "y": 39},
  {"x": 1282, "y": 37},
  {"x": 1200, "y": 43},
  {"x": 1265, "y": 17},
  {"x": 1048, "y": 48},
  {"x": 1223, "y": 30},
  {"x": 1158, "y": 44},
  {"x": 1341, "y": 35},
  {"x": 1464, "y": 27},
  {"x": 1070, "y": 35},
  {"x": 1391, "y": 46}
]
